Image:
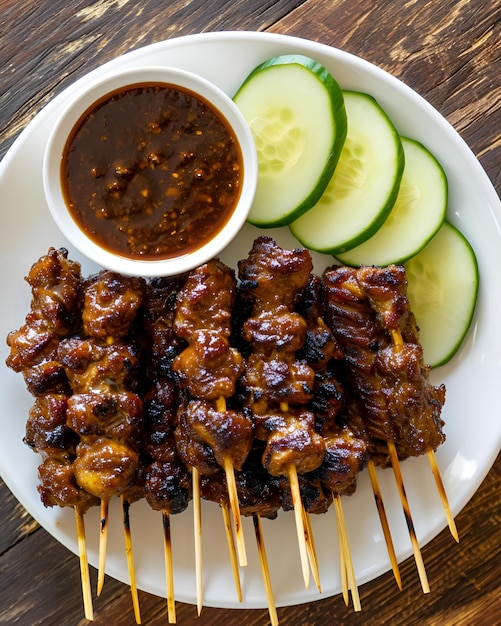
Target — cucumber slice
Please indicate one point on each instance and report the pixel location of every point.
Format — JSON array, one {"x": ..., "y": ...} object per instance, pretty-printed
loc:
[
  {"x": 416, "y": 216},
  {"x": 295, "y": 110},
  {"x": 442, "y": 290},
  {"x": 364, "y": 186}
]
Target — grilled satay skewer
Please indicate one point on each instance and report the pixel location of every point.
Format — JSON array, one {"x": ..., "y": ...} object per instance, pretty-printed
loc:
[
  {"x": 278, "y": 385},
  {"x": 345, "y": 454},
  {"x": 168, "y": 489},
  {"x": 167, "y": 481},
  {"x": 55, "y": 313},
  {"x": 102, "y": 367},
  {"x": 48, "y": 434},
  {"x": 208, "y": 370},
  {"x": 401, "y": 409}
]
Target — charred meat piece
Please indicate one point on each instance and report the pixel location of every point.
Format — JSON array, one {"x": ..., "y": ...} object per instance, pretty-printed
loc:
[
  {"x": 55, "y": 283},
  {"x": 116, "y": 415},
  {"x": 258, "y": 491},
  {"x": 270, "y": 382},
  {"x": 319, "y": 346},
  {"x": 45, "y": 378},
  {"x": 160, "y": 406},
  {"x": 206, "y": 301},
  {"x": 209, "y": 367},
  {"x": 294, "y": 442},
  {"x": 156, "y": 317},
  {"x": 55, "y": 311},
  {"x": 58, "y": 486},
  {"x": 167, "y": 481},
  {"x": 46, "y": 429},
  {"x": 345, "y": 456},
  {"x": 278, "y": 331},
  {"x": 106, "y": 467},
  {"x": 192, "y": 450},
  {"x": 273, "y": 276},
  {"x": 92, "y": 365},
  {"x": 111, "y": 304},
  {"x": 228, "y": 433}
]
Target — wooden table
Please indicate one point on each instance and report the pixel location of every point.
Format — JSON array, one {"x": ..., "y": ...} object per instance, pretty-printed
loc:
[{"x": 449, "y": 52}]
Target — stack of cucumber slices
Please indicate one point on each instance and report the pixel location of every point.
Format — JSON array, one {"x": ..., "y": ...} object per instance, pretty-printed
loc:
[{"x": 334, "y": 169}]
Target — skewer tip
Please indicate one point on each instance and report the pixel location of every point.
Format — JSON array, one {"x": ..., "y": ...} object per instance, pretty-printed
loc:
[
  {"x": 130, "y": 557},
  {"x": 418, "y": 557},
  {"x": 443, "y": 495},
  {"x": 345, "y": 552},
  {"x": 299, "y": 516},
  {"x": 169, "y": 573},
  {"x": 84, "y": 566},
  {"x": 272, "y": 610}
]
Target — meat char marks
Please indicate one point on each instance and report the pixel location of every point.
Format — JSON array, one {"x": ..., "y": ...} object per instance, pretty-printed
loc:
[{"x": 385, "y": 374}]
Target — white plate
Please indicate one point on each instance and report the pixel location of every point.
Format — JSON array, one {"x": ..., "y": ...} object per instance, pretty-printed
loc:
[{"x": 473, "y": 404}]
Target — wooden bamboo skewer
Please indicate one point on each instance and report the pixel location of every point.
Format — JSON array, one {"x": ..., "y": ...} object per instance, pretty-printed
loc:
[
  {"x": 384, "y": 522},
  {"x": 235, "y": 509},
  {"x": 299, "y": 516},
  {"x": 231, "y": 548},
  {"x": 233, "y": 496},
  {"x": 103, "y": 541},
  {"x": 342, "y": 564},
  {"x": 197, "y": 519},
  {"x": 408, "y": 518},
  {"x": 130, "y": 557},
  {"x": 311, "y": 549},
  {"x": 169, "y": 573},
  {"x": 346, "y": 552},
  {"x": 84, "y": 565},
  {"x": 272, "y": 610},
  {"x": 443, "y": 496}
]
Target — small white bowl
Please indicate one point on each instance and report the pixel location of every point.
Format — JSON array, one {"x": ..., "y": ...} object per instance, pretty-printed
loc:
[{"x": 82, "y": 102}]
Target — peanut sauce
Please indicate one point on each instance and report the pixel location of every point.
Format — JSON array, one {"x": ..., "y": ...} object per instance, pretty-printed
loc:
[{"x": 151, "y": 172}]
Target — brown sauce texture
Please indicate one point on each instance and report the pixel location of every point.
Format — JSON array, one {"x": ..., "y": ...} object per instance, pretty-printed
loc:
[{"x": 152, "y": 172}]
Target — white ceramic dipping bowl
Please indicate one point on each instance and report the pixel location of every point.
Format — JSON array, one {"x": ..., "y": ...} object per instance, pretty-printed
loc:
[{"x": 83, "y": 101}]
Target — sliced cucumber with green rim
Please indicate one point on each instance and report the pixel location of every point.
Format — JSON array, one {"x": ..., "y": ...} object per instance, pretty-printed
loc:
[
  {"x": 416, "y": 216},
  {"x": 295, "y": 110},
  {"x": 442, "y": 289},
  {"x": 365, "y": 183}
]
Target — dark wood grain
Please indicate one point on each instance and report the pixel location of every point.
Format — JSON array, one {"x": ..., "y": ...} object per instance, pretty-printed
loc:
[
  {"x": 449, "y": 52},
  {"x": 47, "y": 45}
]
